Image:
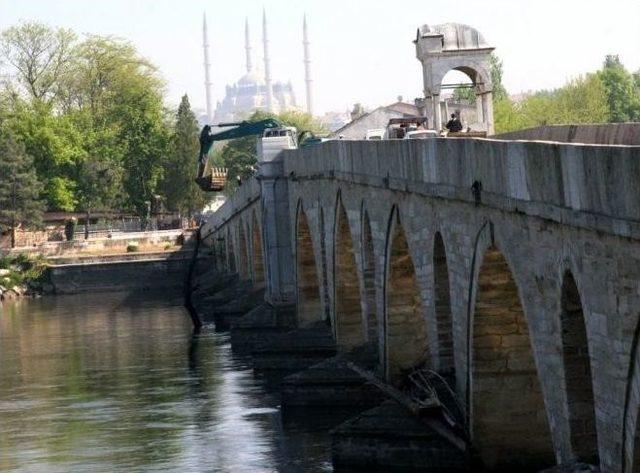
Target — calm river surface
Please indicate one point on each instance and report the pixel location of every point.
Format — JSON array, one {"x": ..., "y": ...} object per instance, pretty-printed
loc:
[{"x": 116, "y": 383}]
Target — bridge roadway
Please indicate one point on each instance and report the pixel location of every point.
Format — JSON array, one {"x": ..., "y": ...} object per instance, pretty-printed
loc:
[{"x": 513, "y": 264}]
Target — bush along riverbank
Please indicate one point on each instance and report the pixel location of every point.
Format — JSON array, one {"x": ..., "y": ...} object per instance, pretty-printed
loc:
[{"x": 23, "y": 275}]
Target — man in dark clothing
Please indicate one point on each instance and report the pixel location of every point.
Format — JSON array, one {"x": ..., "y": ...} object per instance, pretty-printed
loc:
[{"x": 454, "y": 124}]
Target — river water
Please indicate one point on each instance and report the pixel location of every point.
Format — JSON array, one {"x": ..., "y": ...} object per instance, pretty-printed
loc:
[{"x": 118, "y": 383}]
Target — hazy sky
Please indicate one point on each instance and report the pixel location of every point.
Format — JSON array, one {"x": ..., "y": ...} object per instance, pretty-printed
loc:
[{"x": 361, "y": 50}]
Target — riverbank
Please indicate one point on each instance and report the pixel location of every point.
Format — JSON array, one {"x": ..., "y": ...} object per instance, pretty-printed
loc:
[{"x": 136, "y": 261}]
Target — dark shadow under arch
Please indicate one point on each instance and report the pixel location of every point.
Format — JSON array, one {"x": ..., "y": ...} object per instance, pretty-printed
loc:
[
  {"x": 369, "y": 278},
  {"x": 442, "y": 303},
  {"x": 348, "y": 308},
  {"x": 258, "y": 254},
  {"x": 577, "y": 372},
  {"x": 231, "y": 254},
  {"x": 323, "y": 263},
  {"x": 405, "y": 327},
  {"x": 510, "y": 429},
  {"x": 243, "y": 264},
  {"x": 309, "y": 304}
]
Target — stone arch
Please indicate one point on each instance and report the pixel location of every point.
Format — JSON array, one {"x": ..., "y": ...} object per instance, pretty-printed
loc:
[
  {"x": 509, "y": 424},
  {"x": 258, "y": 254},
  {"x": 243, "y": 243},
  {"x": 369, "y": 279},
  {"x": 577, "y": 373},
  {"x": 348, "y": 308},
  {"x": 442, "y": 306},
  {"x": 405, "y": 326},
  {"x": 231, "y": 253},
  {"x": 477, "y": 73},
  {"x": 309, "y": 305}
]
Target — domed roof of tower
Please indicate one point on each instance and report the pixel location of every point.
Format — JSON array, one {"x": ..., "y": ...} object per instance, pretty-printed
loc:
[{"x": 455, "y": 36}]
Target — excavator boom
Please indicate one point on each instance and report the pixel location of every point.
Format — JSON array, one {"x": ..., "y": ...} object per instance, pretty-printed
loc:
[{"x": 217, "y": 179}]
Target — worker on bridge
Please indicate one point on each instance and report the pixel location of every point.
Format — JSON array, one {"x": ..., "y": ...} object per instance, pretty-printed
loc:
[{"x": 454, "y": 124}]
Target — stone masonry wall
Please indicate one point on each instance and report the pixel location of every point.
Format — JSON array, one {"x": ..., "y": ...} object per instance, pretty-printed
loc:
[{"x": 550, "y": 208}]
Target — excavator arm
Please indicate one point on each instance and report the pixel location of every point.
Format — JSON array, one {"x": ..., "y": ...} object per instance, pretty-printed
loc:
[{"x": 216, "y": 180}]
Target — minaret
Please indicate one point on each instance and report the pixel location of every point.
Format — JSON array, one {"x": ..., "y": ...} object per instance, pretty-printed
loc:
[
  {"x": 307, "y": 66},
  {"x": 267, "y": 68},
  {"x": 247, "y": 44},
  {"x": 207, "y": 65}
]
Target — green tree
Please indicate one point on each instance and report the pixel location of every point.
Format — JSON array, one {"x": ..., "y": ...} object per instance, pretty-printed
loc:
[
  {"x": 117, "y": 98},
  {"x": 581, "y": 100},
  {"x": 39, "y": 56},
  {"x": 623, "y": 93},
  {"x": 56, "y": 146},
  {"x": 496, "y": 71},
  {"x": 19, "y": 187},
  {"x": 180, "y": 189}
]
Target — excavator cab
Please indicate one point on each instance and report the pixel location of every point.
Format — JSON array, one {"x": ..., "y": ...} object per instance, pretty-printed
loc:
[{"x": 274, "y": 138}]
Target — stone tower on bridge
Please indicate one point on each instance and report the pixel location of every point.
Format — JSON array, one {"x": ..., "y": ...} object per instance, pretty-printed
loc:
[{"x": 453, "y": 46}]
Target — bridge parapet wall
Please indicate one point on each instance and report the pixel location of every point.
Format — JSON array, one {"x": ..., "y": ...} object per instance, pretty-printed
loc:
[
  {"x": 589, "y": 186},
  {"x": 245, "y": 195}
]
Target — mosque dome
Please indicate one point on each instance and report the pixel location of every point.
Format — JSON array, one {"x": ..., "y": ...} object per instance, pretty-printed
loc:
[
  {"x": 251, "y": 93},
  {"x": 455, "y": 36},
  {"x": 252, "y": 78}
]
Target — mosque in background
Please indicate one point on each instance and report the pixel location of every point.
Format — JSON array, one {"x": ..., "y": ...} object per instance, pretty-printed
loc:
[{"x": 255, "y": 90}]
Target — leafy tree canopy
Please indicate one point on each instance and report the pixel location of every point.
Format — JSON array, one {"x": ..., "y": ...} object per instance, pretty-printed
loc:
[
  {"x": 182, "y": 193},
  {"x": 19, "y": 187}
]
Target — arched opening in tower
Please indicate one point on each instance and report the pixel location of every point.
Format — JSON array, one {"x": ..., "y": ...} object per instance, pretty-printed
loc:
[
  {"x": 509, "y": 423},
  {"x": 349, "y": 326},
  {"x": 369, "y": 276},
  {"x": 442, "y": 303},
  {"x": 406, "y": 332},
  {"x": 309, "y": 304},
  {"x": 258, "y": 256},
  {"x": 244, "y": 257},
  {"x": 577, "y": 373}
]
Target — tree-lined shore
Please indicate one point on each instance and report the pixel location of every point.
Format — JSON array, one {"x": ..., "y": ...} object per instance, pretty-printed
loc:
[{"x": 85, "y": 127}]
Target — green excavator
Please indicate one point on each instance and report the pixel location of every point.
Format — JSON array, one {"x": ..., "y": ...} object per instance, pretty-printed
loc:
[{"x": 274, "y": 137}]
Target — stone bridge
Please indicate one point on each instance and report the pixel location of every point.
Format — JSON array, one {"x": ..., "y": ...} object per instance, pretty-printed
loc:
[{"x": 512, "y": 265}]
